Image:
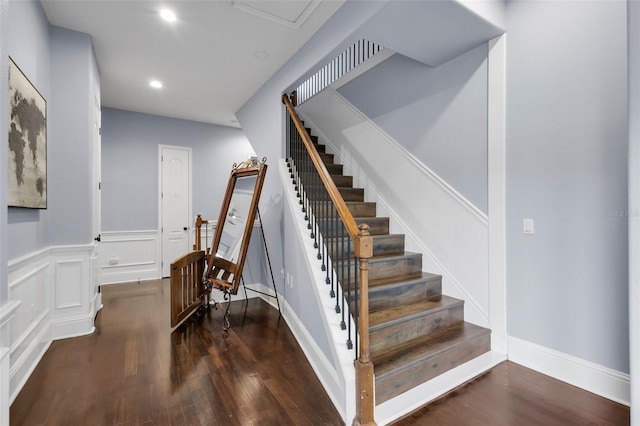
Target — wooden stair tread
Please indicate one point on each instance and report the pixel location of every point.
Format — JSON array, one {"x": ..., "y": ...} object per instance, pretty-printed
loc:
[
  {"x": 387, "y": 257},
  {"x": 419, "y": 350},
  {"x": 403, "y": 279},
  {"x": 390, "y": 316}
]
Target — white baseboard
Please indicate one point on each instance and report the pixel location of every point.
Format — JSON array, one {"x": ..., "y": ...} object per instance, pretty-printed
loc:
[
  {"x": 608, "y": 383},
  {"x": 65, "y": 328}
]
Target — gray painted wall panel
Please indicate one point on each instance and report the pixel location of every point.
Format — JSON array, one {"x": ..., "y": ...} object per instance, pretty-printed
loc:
[
  {"x": 28, "y": 45},
  {"x": 130, "y": 165},
  {"x": 70, "y": 204},
  {"x": 438, "y": 114},
  {"x": 567, "y": 169}
]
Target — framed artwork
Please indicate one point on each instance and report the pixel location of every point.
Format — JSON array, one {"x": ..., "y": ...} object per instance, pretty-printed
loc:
[{"x": 27, "y": 184}]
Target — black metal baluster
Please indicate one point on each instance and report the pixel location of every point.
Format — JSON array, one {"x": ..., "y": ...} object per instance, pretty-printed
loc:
[{"x": 340, "y": 284}]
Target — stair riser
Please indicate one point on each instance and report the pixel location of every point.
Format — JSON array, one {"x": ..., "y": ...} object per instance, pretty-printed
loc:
[
  {"x": 384, "y": 297},
  {"x": 382, "y": 245},
  {"x": 377, "y": 226},
  {"x": 327, "y": 159},
  {"x": 357, "y": 208},
  {"x": 339, "y": 180},
  {"x": 348, "y": 194},
  {"x": 402, "y": 332},
  {"x": 334, "y": 169},
  {"x": 384, "y": 268},
  {"x": 391, "y": 386}
]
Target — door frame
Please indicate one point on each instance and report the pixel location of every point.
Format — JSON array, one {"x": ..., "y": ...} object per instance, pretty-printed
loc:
[
  {"x": 159, "y": 195},
  {"x": 633, "y": 212}
]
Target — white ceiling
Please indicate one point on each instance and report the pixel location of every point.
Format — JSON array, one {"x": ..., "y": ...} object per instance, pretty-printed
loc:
[{"x": 211, "y": 59}]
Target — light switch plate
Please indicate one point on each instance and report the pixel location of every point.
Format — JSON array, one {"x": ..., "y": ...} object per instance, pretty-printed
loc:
[{"x": 527, "y": 226}]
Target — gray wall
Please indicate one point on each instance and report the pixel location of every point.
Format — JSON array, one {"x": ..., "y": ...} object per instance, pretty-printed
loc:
[
  {"x": 70, "y": 149},
  {"x": 61, "y": 64},
  {"x": 438, "y": 114},
  {"x": 567, "y": 169},
  {"x": 130, "y": 165},
  {"x": 28, "y": 40}
]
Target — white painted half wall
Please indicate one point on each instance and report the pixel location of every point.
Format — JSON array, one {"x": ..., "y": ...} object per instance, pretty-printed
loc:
[
  {"x": 57, "y": 299},
  {"x": 129, "y": 256}
]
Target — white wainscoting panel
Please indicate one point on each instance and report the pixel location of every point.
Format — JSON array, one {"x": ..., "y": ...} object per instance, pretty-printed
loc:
[
  {"x": 130, "y": 256},
  {"x": 56, "y": 294},
  {"x": 68, "y": 288},
  {"x": 72, "y": 308},
  {"x": 7, "y": 313},
  {"x": 450, "y": 231}
]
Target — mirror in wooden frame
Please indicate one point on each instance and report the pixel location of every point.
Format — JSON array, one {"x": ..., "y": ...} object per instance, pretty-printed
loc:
[{"x": 235, "y": 224}]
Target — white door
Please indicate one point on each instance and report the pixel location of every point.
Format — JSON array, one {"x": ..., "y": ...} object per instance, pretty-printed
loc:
[{"x": 175, "y": 201}]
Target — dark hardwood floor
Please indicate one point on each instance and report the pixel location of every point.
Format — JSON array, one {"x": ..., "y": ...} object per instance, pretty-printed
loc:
[
  {"x": 510, "y": 394},
  {"x": 134, "y": 371}
]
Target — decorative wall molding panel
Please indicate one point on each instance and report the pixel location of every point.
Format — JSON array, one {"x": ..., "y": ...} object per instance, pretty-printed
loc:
[
  {"x": 7, "y": 313},
  {"x": 57, "y": 299},
  {"x": 127, "y": 256}
]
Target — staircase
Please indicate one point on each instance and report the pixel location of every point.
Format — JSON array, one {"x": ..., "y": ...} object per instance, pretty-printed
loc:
[{"x": 416, "y": 332}]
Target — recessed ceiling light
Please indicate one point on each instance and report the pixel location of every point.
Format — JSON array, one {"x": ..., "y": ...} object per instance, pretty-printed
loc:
[
  {"x": 261, "y": 54},
  {"x": 155, "y": 84},
  {"x": 168, "y": 15}
]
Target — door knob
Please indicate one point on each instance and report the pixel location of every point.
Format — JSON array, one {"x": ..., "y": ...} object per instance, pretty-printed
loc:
[{"x": 185, "y": 228}]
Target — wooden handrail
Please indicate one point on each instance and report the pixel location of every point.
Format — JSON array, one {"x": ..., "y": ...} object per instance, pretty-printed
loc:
[
  {"x": 336, "y": 198},
  {"x": 363, "y": 250}
]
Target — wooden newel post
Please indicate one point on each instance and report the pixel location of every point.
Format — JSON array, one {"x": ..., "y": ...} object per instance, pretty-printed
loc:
[
  {"x": 196, "y": 243},
  {"x": 364, "y": 367}
]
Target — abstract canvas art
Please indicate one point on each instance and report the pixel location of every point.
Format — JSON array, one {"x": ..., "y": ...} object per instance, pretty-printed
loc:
[{"x": 27, "y": 185}]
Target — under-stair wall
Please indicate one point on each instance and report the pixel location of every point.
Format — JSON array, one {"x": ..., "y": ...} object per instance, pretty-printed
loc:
[{"x": 438, "y": 221}]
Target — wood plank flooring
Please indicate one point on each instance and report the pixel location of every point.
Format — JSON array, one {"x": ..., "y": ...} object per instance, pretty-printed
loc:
[
  {"x": 510, "y": 394},
  {"x": 134, "y": 371}
]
